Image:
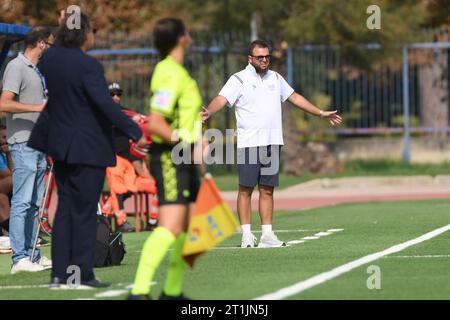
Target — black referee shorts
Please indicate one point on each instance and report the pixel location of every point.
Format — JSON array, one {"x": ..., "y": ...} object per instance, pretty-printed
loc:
[
  {"x": 175, "y": 183},
  {"x": 259, "y": 165}
]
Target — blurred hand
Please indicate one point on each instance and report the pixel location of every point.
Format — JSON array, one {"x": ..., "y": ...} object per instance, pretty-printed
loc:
[
  {"x": 332, "y": 117},
  {"x": 5, "y": 148},
  {"x": 142, "y": 143},
  {"x": 136, "y": 118},
  {"x": 204, "y": 114},
  {"x": 200, "y": 150},
  {"x": 41, "y": 107},
  {"x": 62, "y": 16}
]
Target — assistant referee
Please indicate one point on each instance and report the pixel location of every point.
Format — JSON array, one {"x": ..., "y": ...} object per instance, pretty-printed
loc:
[{"x": 175, "y": 107}]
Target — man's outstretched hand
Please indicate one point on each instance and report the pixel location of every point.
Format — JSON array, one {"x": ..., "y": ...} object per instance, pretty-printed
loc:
[{"x": 332, "y": 117}]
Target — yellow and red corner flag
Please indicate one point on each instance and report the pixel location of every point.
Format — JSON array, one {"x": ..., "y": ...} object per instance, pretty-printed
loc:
[{"x": 211, "y": 223}]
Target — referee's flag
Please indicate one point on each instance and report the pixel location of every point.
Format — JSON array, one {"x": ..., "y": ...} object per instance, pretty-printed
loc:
[{"x": 211, "y": 223}]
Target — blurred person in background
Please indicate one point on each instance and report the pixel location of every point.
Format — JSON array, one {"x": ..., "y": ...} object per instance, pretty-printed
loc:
[
  {"x": 6, "y": 168},
  {"x": 23, "y": 98},
  {"x": 130, "y": 175}
]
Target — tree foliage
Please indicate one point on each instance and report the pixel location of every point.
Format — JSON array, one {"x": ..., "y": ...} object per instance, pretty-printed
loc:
[{"x": 295, "y": 21}]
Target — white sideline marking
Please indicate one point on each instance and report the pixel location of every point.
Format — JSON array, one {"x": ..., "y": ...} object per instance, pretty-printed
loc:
[
  {"x": 67, "y": 287},
  {"x": 295, "y": 242},
  {"x": 110, "y": 293},
  {"x": 325, "y": 276},
  {"x": 24, "y": 287},
  {"x": 322, "y": 234},
  {"x": 288, "y": 244},
  {"x": 310, "y": 238},
  {"x": 424, "y": 256},
  {"x": 239, "y": 247},
  {"x": 286, "y": 231},
  {"x": 130, "y": 286}
]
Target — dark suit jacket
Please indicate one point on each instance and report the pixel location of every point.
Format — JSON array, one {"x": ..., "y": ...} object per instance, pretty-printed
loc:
[{"x": 76, "y": 126}]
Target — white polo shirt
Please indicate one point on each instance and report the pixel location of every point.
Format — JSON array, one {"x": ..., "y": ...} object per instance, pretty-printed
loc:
[{"x": 257, "y": 103}]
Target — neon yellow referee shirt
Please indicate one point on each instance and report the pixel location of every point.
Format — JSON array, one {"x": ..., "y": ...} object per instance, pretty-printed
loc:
[{"x": 176, "y": 96}]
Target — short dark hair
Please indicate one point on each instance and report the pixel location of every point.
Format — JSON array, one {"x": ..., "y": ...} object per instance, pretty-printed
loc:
[
  {"x": 74, "y": 38},
  {"x": 37, "y": 34},
  {"x": 166, "y": 33},
  {"x": 259, "y": 44}
]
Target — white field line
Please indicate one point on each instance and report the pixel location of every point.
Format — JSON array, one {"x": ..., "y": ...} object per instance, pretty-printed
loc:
[
  {"x": 116, "y": 293},
  {"x": 310, "y": 238},
  {"x": 424, "y": 256},
  {"x": 24, "y": 287},
  {"x": 285, "y": 231},
  {"x": 322, "y": 234},
  {"x": 110, "y": 293},
  {"x": 295, "y": 242},
  {"x": 315, "y": 237},
  {"x": 239, "y": 248},
  {"x": 127, "y": 286},
  {"x": 325, "y": 276},
  {"x": 288, "y": 244}
]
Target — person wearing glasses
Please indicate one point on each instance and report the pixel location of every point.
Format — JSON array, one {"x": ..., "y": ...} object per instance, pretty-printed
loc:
[
  {"x": 23, "y": 98},
  {"x": 257, "y": 93},
  {"x": 121, "y": 178},
  {"x": 130, "y": 175},
  {"x": 75, "y": 129}
]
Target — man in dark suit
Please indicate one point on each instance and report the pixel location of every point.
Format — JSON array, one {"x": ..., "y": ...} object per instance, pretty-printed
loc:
[{"x": 75, "y": 129}]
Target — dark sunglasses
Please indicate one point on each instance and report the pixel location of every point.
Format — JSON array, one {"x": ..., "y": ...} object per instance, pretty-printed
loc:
[
  {"x": 112, "y": 94},
  {"x": 261, "y": 58}
]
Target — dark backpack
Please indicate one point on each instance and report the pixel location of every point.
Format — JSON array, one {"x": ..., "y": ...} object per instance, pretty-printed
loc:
[{"x": 109, "y": 248}]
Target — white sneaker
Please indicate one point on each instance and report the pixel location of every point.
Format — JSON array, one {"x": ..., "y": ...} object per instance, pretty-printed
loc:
[
  {"x": 5, "y": 245},
  {"x": 45, "y": 262},
  {"x": 248, "y": 240},
  {"x": 25, "y": 265},
  {"x": 270, "y": 240}
]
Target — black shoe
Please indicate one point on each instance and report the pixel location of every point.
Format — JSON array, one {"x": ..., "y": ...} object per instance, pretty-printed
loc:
[
  {"x": 151, "y": 226},
  {"x": 125, "y": 227},
  {"x": 56, "y": 283},
  {"x": 94, "y": 283},
  {"x": 42, "y": 242},
  {"x": 139, "y": 297},
  {"x": 163, "y": 296}
]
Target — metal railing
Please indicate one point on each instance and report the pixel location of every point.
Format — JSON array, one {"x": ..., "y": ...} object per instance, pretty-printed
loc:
[
  {"x": 395, "y": 97},
  {"x": 133, "y": 69}
]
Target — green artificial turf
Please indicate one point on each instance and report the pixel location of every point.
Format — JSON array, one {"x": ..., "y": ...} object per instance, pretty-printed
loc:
[{"x": 233, "y": 273}]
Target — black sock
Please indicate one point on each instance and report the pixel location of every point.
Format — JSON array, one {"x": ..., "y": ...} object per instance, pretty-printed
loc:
[
  {"x": 5, "y": 224},
  {"x": 120, "y": 199},
  {"x": 127, "y": 195}
]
